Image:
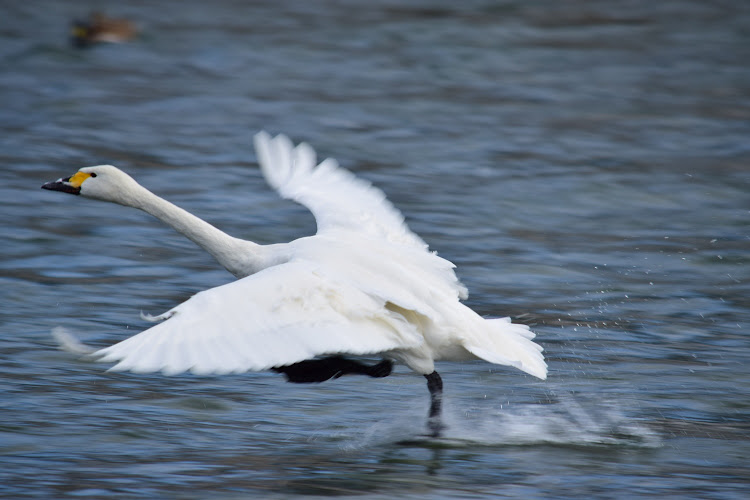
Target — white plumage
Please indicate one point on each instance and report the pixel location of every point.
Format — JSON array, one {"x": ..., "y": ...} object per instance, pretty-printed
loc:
[{"x": 363, "y": 285}]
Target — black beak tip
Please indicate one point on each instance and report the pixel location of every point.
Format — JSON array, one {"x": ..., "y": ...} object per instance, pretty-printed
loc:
[{"x": 61, "y": 185}]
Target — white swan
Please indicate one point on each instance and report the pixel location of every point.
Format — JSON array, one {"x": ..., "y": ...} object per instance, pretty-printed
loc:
[{"x": 364, "y": 284}]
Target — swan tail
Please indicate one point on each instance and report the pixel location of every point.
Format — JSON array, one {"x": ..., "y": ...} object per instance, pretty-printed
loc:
[
  {"x": 70, "y": 343},
  {"x": 502, "y": 342}
]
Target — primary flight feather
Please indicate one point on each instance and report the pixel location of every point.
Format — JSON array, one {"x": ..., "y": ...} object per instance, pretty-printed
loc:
[{"x": 364, "y": 284}]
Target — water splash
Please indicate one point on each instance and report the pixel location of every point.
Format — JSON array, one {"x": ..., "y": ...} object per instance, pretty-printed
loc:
[{"x": 570, "y": 421}]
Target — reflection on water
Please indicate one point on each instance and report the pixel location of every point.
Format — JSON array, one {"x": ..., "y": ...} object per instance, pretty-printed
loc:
[{"x": 584, "y": 164}]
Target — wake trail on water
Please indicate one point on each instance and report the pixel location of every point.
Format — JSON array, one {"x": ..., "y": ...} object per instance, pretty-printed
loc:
[{"x": 570, "y": 421}]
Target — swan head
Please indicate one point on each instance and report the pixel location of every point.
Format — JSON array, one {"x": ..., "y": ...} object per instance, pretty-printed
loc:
[{"x": 102, "y": 182}]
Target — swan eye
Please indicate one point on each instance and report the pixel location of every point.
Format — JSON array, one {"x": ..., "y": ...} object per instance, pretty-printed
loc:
[{"x": 93, "y": 174}]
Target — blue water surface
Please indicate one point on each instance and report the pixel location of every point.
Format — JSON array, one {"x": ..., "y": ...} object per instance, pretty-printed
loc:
[{"x": 585, "y": 164}]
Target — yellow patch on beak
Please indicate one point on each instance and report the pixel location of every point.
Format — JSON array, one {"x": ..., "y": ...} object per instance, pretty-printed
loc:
[{"x": 77, "y": 179}]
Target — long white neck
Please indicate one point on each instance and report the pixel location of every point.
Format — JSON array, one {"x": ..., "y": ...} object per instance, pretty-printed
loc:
[{"x": 239, "y": 257}]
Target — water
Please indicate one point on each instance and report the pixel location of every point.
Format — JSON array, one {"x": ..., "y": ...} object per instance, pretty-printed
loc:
[{"x": 585, "y": 165}]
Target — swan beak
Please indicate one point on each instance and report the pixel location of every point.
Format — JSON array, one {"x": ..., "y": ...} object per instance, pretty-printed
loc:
[{"x": 70, "y": 185}]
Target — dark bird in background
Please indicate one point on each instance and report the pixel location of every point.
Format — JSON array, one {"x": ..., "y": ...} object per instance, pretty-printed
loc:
[{"x": 99, "y": 28}]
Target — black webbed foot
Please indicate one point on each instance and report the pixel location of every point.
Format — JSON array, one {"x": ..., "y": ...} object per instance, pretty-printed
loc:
[
  {"x": 320, "y": 370},
  {"x": 380, "y": 370},
  {"x": 434, "y": 419},
  {"x": 435, "y": 427}
]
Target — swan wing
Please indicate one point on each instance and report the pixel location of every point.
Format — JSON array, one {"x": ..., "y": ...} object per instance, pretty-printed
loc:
[
  {"x": 279, "y": 316},
  {"x": 337, "y": 198}
]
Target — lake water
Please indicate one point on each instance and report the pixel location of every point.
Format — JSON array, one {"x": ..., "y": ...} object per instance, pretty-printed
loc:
[{"x": 585, "y": 164}]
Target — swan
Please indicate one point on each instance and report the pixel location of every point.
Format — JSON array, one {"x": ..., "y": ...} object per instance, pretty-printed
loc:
[{"x": 363, "y": 285}]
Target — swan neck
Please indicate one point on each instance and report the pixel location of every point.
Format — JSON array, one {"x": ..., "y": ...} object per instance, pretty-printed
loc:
[{"x": 236, "y": 255}]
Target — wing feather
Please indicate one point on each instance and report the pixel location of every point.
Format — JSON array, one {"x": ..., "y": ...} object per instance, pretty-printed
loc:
[
  {"x": 337, "y": 198},
  {"x": 279, "y": 316}
]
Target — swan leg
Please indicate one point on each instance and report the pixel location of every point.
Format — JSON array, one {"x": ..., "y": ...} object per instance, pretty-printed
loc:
[
  {"x": 320, "y": 370},
  {"x": 434, "y": 420}
]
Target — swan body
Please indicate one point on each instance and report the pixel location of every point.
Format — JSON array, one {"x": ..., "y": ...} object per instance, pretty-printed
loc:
[{"x": 364, "y": 284}]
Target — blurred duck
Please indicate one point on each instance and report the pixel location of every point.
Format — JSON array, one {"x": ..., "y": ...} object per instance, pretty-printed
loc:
[{"x": 99, "y": 28}]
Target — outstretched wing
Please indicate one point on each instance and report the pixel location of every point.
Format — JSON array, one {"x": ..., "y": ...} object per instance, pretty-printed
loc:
[
  {"x": 282, "y": 315},
  {"x": 337, "y": 198}
]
